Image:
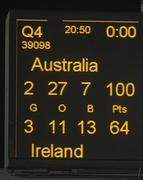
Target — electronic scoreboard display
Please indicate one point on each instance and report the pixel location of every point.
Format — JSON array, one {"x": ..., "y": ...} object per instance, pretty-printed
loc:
[{"x": 74, "y": 92}]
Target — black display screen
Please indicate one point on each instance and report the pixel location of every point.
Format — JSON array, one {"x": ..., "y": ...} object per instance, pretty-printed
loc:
[{"x": 74, "y": 88}]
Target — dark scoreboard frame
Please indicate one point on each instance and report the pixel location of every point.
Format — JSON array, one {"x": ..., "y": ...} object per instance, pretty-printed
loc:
[{"x": 50, "y": 167}]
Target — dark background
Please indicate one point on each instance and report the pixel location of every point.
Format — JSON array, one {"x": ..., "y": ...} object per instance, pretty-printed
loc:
[{"x": 74, "y": 5}]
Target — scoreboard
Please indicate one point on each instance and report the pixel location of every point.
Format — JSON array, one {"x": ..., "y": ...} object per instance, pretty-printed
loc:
[{"x": 74, "y": 92}]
